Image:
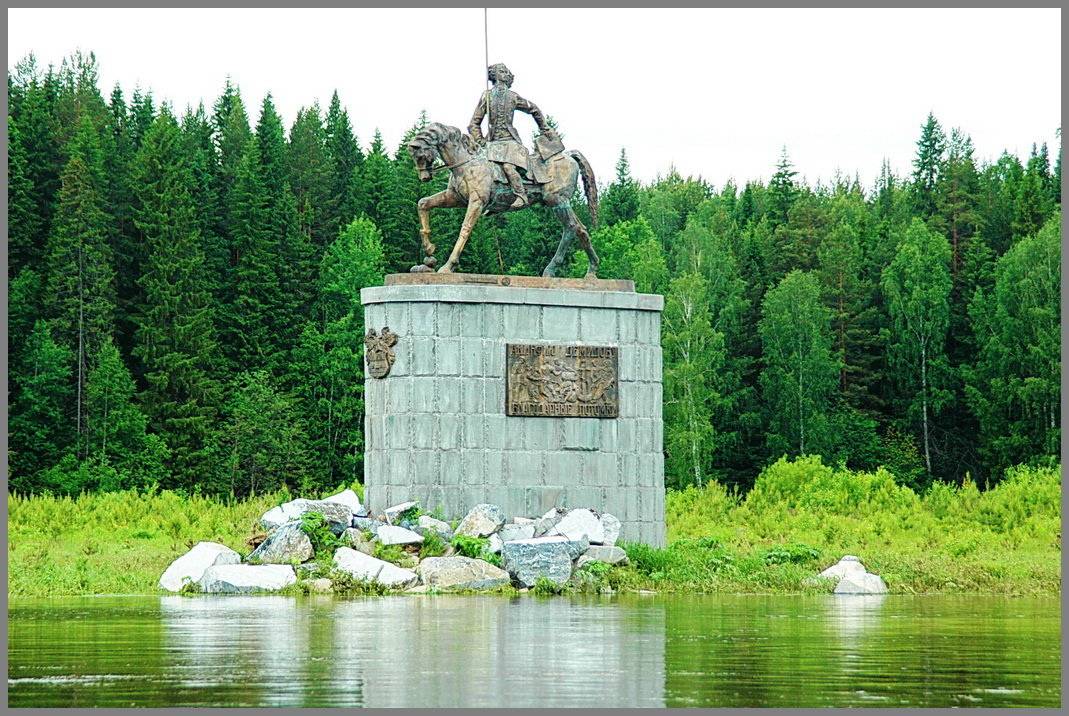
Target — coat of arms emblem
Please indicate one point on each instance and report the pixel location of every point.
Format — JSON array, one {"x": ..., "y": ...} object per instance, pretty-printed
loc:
[{"x": 379, "y": 351}]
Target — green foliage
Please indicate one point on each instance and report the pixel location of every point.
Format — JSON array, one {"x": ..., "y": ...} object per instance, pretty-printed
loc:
[
  {"x": 117, "y": 542},
  {"x": 474, "y": 548},
  {"x": 324, "y": 541},
  {"x": 261, "y": 445},
  {"x": 799, "y": 366},
  {"x": 545, "y": 588},
  {"x": 693, "y": 354},
  {"x": 432, "y": 546},
  {"x": 597, "y": 567},
  {"x": 1014, "y": 387},
  {"x": 790, "y": 554},
  {"x": 394, "y": 553}
]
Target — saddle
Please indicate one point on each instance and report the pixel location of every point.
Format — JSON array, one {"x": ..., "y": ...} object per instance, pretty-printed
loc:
[{"x": 547, "y": 146}]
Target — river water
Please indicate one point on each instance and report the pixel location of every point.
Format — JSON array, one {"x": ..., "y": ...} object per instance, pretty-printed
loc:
[{"x": 471, "y": 651}]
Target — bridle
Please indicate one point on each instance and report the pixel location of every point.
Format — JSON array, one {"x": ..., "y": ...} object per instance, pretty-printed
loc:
[{"x": 435, "y": 170}]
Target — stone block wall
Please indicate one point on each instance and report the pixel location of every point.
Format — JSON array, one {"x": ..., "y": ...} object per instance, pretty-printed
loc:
[{"x": 436, "y": 429}]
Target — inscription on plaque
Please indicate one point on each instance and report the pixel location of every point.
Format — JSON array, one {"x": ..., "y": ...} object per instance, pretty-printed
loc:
[{"x": 561, "y": 381}]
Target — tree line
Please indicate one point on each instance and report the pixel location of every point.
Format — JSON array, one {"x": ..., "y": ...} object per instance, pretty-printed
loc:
[{"x": 184, "y": 297}]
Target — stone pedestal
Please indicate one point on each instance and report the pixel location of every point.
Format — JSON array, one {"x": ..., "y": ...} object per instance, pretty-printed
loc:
[{"x": 436, "y": 425}]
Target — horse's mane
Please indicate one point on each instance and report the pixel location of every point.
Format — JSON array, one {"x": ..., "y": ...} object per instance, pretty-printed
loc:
[{"x": 435, "y": 134}]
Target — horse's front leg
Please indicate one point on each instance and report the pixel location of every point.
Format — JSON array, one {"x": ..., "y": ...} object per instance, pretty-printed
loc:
[
  {"x": 442, "y": 200},
  {"x": 475, "y": 208}
]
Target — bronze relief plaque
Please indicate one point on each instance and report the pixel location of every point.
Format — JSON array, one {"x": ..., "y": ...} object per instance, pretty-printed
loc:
[{"x": 556, "y": 381}]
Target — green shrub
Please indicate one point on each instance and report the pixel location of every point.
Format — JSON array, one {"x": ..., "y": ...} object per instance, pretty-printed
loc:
[
  {"x": 475, "y": 548},
  {"x": 315, "y": 525},
  {"x": 790, "y": 554},
  {"x": 432, "y": 546}
]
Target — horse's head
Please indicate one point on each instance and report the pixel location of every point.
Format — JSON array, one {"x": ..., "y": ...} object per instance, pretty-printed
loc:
[
  {"x": 423, "y": 154},
  {"x": 436, "y": 140}
]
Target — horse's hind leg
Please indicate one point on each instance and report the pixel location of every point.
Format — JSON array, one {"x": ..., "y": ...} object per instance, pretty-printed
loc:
[
  {"x": 572, "y": 228},
  {"x": 584, "y": 241},
  {"x": 566, "y": 237}
]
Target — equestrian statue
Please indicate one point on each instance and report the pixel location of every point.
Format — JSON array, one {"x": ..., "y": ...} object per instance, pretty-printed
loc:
[{"x": 496, "y": 174}]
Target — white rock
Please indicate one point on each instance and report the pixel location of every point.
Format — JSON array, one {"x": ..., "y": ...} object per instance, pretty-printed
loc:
[
  {"x": 845, "y": 567},
  {"x": 366, "y": 567},
  {"x": 443, "y": 529},
  {"x": 864, "y": 583},
  {"x": 322, "y": 585},
  {"x": 603, "y": 553},
  {"x": 338, "y": 515},
  {"x": 481, "y": 521},
  {"x": 546, "y": 522},
  {"x": 461, "y": 573},
  {"x": 366, "y": 523},
  {"x": 579, "y": 523},
  {"x": 240, "y": 578},
  {"x": 522, "y": 521},
  {"x": 288, "y": 544},
  {"x": 191, "y": 565},
  {"x": 495, "y": 544},
  {"x": 349, "y": 499},
  {"x": 517, "y": 531},
  {"x": 611, "y": 525},
  {"x": 392, "y": 513},
  {"x": 388, "y": 534}
]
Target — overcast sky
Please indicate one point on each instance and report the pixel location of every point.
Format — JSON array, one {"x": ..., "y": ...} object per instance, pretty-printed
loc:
[{"x": 716, "y": 93}]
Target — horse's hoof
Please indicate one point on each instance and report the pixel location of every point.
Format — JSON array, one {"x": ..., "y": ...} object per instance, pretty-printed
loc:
[
  {"x": 446, "y": 269},
  {"x": 591, "y": 274}
]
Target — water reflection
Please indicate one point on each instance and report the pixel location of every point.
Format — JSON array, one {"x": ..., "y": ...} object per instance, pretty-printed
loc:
[
  {"x": 662, "y": 650},
  {"x": 420, "y": 651}
]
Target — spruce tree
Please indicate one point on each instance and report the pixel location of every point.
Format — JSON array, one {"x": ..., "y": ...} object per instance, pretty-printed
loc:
[
  {"x": 926, "y": 167},
  {"x": 254, "y": 294},
  {"x": 294, "y": 251},
  {"x": 40, "y": 431},
  {"x": 80, "y": 292},
  {"x": 309, "y": 177},
  {"x": 620, "y": 202},
  {"x": 345, "y": 158},
  {"x": 781, "y": 190},
  {"x": 175, "y": 335},
  {"x": 117, "y": 434}
]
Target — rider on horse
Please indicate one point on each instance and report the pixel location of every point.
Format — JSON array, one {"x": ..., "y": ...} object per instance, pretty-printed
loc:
[{"x": 503, "y": 145}]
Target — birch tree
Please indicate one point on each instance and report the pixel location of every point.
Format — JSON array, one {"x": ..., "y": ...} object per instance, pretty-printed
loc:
[{"x": 916, "y": 286}]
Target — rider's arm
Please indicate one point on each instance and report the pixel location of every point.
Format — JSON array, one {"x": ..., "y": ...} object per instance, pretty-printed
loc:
[
  {"x": 530, "y": 108},
  {"x": 475, "y": 126}
]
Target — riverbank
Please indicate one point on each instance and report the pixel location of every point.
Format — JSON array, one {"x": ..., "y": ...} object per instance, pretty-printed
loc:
[{"x": 799, "y": 518}]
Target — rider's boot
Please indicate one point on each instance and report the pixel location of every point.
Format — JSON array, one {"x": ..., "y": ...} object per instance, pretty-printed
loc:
[{"x": 516, "y": 185}]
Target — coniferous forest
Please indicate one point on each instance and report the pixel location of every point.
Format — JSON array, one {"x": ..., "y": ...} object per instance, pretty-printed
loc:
[{"x": 184, "y": 304}]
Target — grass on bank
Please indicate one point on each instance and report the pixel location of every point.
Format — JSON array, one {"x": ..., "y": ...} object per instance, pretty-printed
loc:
[{"x": 800, "y": 517}]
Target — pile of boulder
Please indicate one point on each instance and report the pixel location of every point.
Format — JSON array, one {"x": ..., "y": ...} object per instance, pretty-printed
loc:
[{"x": 551, "y": 547}]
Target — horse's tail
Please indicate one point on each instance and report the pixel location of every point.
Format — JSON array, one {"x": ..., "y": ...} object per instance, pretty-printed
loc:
[{"x": 589, "y": 185}]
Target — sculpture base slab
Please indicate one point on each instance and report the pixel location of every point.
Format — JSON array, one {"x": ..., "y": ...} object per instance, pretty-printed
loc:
[
  {"x": 436, "y": 426},
  {"x": 481, "y": 279}
]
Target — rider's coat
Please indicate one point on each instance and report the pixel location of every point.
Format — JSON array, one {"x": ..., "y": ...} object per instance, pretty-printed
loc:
[{"x": 503, "y": 141}]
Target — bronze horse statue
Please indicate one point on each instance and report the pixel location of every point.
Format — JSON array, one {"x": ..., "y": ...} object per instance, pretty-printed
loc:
[{"x": 472, "y": 183}]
